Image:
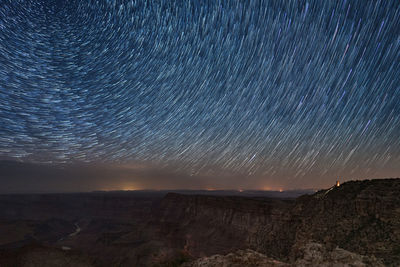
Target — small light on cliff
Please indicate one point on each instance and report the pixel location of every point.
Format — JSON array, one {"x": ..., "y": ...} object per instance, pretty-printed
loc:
[{"x": 337, "y": 183}]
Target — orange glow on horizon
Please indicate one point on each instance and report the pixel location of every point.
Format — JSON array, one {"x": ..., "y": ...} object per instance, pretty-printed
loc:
[{"x": 124, "y": 187}]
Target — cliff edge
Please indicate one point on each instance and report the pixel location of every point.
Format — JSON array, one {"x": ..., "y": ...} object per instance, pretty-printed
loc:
[{"x": 361, "y": 217}]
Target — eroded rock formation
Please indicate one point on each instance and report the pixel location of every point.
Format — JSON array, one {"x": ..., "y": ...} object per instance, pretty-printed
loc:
[{"x": 360, "y": 216}]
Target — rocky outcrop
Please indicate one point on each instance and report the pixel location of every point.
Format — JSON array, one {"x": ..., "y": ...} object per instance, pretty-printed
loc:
[
  {"x": 312, "y": 254},
  {"x": 360, "y": 216},
  {"x": 239, "y": 258}
]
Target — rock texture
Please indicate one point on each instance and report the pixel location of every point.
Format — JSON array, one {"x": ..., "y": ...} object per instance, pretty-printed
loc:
[
  {"x": 359, "y": 216},
  {"x": 313, "y": 254},
  {"x": 206, "y": 225},
  {"x": 239, "y": 258}
]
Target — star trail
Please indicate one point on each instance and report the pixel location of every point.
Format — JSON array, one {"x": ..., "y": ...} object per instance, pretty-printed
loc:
[{"x": 298, "y": 91}]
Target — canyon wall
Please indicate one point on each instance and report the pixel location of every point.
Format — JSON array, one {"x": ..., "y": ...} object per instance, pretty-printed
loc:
[{"x": 359, "y": 216}]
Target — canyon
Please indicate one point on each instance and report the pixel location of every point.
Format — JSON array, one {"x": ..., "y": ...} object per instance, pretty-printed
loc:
[{"x": 355, "y": 223}]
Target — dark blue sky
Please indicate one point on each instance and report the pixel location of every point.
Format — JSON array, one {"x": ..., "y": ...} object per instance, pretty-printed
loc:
[{"x": 280, "y": 93}]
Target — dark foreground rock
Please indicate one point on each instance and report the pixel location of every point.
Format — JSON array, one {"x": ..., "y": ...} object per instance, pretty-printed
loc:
[
  {"x": 239, "y": 258},
  {"x": 313, "y": 254}
]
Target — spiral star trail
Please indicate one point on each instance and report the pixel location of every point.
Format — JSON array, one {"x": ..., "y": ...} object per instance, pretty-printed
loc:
[{"x": 299, "y": 91}]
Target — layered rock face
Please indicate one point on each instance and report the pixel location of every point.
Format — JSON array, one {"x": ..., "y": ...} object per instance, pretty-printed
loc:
[
  {"x": 359, "y": 216},
  {"x": 205, "y": 225}
]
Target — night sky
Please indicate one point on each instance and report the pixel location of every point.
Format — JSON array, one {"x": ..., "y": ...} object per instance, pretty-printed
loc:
[{"x": 198, "y": 94}]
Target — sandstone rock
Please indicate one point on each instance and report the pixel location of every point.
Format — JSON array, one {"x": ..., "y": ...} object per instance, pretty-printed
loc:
[
  {"x": 239, "y": 258},
  {"x": 312, "y": 254}
]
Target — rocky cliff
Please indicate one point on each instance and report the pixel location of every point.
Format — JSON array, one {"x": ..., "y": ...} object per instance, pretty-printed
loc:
[
  {"x": 205, "y": 225},
  {"x": 360, "y": 216}
]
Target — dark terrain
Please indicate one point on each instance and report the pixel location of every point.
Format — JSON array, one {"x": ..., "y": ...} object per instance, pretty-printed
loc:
[{"x": 153, "y": 228}]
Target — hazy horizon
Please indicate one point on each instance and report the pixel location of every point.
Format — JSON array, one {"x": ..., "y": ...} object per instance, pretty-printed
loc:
[{"x": 20, "y": 177}]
